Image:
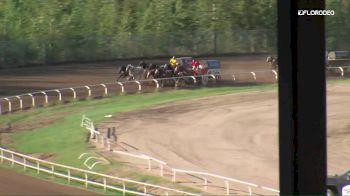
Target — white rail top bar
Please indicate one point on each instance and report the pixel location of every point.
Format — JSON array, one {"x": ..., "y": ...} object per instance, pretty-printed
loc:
[{"x": 94, "y": 173}]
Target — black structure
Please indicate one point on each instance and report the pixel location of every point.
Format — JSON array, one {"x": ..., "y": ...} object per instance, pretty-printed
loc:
[{"x": 302, "y": 98}]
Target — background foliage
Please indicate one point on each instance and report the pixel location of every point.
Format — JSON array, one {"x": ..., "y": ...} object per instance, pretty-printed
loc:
[{"x": 55, "y": 31}]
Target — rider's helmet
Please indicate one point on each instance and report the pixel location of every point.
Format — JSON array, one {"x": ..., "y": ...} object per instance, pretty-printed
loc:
[{"x": 173, "y": 61}]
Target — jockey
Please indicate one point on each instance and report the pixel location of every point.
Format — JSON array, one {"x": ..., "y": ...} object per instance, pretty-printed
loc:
[
  {"x": 173, "y": 62},
  {"x": 195, "y": 66},
  {"x": 143, "y": 64}
]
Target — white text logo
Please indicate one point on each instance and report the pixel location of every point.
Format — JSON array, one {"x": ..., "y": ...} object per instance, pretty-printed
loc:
[{"x": 316, "y": 12}]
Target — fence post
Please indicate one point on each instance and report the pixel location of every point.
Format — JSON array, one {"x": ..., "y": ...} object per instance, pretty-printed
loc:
[
  {"x": 86, "y": 180},
  {"x": 74, "y": 93},
  {"x": 121, "y": 84},
  {"x": 124, "y": 188},
  {"x": 194, "y": 79},
  {"x": 233, "y": 77},
  {"x": 174, "y": 175},
  {"x": 227, "y": 188},
  {"x": 46, "y": 98},
  {"x": 213, "y": 76},
  {"x": 2, "y": 155},
  {"x": 341, "y": 71},
  {"x": 157, "y": 83},
  {"x": 20, "y": 102},
  {"x": 250, "y": 190},
  {"x": 254, "y": 75},
  {"x": 276, "y": 75},
  {"x": 59, "y": 95},
  {"x": 13, "y": 159},
  {"x": 149, "y": 164},
  {"x": 139, "y": 83},
  {"x": 37, "y": 167},
  {"x": 145, "y": 190},
  {"x": 161, "y": 169},
  {"x": 52, "y": 170},
  {"x": 104, "y": 184},
  {"x": 68, "y": 176},
  {"x": 9, "y": 103},
  {"x": 89, "y": 90},
  {"x": 106, "y": 90},
  {"x": 205, "y": 183},
  {"x": 108, "y": 145},
  {"x": 24, "y": 164},
  {"x": 33, "y": 100}
]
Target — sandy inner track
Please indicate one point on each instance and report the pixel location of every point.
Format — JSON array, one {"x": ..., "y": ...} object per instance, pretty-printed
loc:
[{"x": 231, "y": 135}]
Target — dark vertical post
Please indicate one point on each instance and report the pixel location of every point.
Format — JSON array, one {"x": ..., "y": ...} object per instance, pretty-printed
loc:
[{"x": 302, "y": 98}]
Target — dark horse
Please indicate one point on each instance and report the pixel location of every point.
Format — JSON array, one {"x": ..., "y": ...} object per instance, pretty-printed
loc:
[
  {"x": 273, "y": 62},
  {"x": 151, "y": 69},
  {"x": 180, "y": 71},
  {"x": 164, "y": 71},
  {"x": 123, "y": 73}
]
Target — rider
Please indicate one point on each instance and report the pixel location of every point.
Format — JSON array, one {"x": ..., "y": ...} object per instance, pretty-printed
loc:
[
  {"x": 143, "y": 64},
  {"x": 173, "y": 62},
  {"x": 195, "y": 66}
]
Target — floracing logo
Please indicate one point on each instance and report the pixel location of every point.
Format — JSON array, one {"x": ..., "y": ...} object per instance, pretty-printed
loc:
[{"x": 316, "y": 12}]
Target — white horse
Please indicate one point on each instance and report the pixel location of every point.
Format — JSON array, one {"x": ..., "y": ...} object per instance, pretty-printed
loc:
[{"x": 135, "y": 72}]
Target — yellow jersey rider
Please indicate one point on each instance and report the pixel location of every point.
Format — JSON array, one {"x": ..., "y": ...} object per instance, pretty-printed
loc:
[{"x": 173, "y": 62}]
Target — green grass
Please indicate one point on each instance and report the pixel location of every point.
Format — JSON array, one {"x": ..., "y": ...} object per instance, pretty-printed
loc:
[{"x": 344, "y": 80}]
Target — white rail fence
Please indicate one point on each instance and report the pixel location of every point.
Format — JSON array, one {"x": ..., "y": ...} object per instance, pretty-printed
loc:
[
  {"x": 7, "y": 104},
  {"x": 84, "y": 176},
  {"x": 226, "y": 181},
  {"x": 204, "y": 175}
]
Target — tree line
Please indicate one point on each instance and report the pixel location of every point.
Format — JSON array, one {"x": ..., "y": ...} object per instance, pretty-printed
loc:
[{"x": 53, "y": 31}]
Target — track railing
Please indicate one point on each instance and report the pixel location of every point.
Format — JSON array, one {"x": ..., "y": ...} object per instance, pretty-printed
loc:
[
  {"x": 145, "y": 157},
  {"x": 226, "y": 180},
  {"x": 7, "y": 104},
  {"x": 83, "y": 176},
  {"x": 204, "y": 175}
]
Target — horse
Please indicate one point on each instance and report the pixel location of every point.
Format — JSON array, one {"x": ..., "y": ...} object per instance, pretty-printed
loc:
[
  {"x": 180, "y": 71},
  {"x": 151, "y": 69},
  {"x": 164, "y": 71},
  {"x": 135, "y": 72},
  {"x": 273, "y": 62},
  {"x": 123, "y": 73}
]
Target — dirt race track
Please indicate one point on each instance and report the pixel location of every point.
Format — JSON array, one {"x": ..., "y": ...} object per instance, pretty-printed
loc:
[
  {"x": 12, "y": 183},
  {"x": 232, "y": 135}
]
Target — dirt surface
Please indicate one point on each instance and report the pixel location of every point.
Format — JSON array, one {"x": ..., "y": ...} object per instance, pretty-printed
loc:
[
  {"x": 25, "y": 80},
  {"x": 12, "y": 183},
  {"x": 232, "y": 135}
]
